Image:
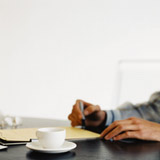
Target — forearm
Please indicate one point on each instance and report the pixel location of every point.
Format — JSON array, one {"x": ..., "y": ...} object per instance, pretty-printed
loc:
[{"x": 149, "y": 111}]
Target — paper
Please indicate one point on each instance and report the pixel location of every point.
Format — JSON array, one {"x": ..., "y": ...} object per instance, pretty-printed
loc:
[
  {"x": 78, "y": 133},
  {"x": 3, "y": 147},
  {"x": 30, "y": 133}
]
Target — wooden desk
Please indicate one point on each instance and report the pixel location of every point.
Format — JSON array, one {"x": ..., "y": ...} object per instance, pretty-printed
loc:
[{"x": 86, "y": 150}]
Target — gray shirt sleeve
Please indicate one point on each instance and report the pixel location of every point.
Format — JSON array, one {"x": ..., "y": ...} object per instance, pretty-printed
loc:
[{"x": 149, "y": 110}]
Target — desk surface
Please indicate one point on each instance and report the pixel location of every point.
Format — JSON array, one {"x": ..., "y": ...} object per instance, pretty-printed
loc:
[{"x": 86, "y": 149}]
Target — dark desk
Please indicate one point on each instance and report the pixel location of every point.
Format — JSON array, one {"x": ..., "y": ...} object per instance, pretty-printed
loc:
[{"x": 86, "y": 150}]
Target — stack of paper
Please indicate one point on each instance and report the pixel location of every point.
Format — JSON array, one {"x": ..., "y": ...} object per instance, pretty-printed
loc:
[{"x": 22, "y": 136}]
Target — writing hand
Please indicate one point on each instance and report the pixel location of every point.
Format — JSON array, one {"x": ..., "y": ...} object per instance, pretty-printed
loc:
[{"x": 94, "y": 115}]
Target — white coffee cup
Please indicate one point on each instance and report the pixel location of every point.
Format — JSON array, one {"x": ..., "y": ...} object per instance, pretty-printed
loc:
[{"x": 51, "y": 137}]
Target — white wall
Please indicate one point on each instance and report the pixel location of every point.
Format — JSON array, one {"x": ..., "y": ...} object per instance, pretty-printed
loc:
[
  {"x": 136, "y": 80},
  {"x": 55, "y": 51}
]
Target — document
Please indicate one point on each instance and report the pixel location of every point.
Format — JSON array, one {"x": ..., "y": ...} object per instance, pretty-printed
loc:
[
  {"x": 2, "y": 147},
  {"x": 78, "y": 133},
  {"x": 24, "y": 135}
]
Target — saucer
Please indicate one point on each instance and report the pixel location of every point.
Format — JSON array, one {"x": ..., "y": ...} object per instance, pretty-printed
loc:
[{"x": 35, "y": 146}]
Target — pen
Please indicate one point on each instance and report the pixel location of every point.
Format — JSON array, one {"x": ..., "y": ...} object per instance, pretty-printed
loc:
[{"x": 83, "y": 116}]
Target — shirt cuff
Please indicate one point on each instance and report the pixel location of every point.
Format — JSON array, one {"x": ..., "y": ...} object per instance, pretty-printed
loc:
[{"x": 112, "y": 115}]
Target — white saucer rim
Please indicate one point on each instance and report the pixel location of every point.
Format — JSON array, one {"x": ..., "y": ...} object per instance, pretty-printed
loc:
[{"x": 57, "y": 150}]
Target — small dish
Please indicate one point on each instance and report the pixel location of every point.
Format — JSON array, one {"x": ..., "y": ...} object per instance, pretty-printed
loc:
[{"x": 67, "y": 146}]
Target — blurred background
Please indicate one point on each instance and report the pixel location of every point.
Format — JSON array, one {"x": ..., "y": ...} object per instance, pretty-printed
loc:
[{"x": 53, "y": 52}]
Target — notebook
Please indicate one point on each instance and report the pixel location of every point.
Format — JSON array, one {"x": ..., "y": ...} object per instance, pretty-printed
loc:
[{"x": 24, "y": 135}]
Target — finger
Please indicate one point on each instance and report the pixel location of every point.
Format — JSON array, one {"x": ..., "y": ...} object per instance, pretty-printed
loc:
[
  {"x": 84, "y": 102},
  {"x": 90, "y": 109},
  {"x": 70, "y": 116},
  {"x": 79, "y": 120},
  {"x": 77, "y": 110},
  {"x": 113, "y": 125},
  {"x": 119, "y": 129},
  {"x": 76, "y": 107},
  {"x": 73, "y": 124},
  {"x": 125, "y": 135},
  {"x": 74, "y": 119}
]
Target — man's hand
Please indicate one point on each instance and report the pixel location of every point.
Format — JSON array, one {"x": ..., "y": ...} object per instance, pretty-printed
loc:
[
  {"x": 93, "y": 114},
  {"x": 132, "y": 128}
]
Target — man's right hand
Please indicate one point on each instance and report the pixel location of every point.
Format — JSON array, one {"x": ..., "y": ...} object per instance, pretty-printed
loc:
[{"x": 93, "y": 114}]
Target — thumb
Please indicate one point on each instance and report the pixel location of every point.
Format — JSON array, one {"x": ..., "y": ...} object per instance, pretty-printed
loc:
[{"x": 90, "y": 109}]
